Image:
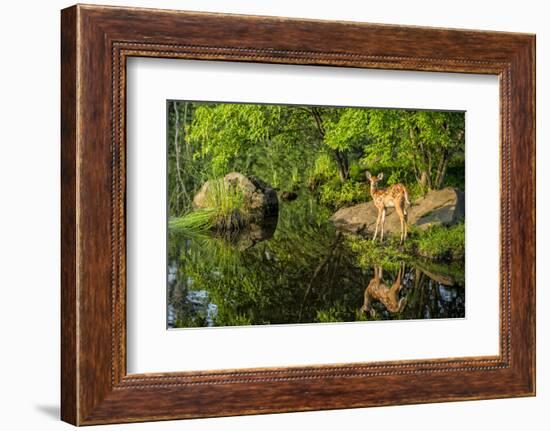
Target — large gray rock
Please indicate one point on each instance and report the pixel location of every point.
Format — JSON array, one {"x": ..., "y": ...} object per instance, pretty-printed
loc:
[
  {"x": 438, "y": 207},
  {"x": 260, "y": 199}
]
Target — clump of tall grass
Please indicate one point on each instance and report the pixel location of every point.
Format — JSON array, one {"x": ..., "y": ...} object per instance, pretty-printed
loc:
[
  {"x": 193, "y": 222},
  {"x": 229, "y": 205},
  {"x": 225, "y": 209}
]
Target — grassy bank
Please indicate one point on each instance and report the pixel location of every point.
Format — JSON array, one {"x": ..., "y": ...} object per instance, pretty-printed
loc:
[{"x": 439, "y": 243}]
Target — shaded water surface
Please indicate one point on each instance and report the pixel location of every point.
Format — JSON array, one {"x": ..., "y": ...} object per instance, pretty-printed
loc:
[{"x": 300, "y": 270}]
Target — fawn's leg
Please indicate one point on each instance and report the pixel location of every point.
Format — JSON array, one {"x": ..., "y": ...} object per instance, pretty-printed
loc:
[
  {"x": 396, "y": 286},
  {"x": 406, "y": 218},
  {"x": 397, "y": 305},
  {"x": 366, "y": 301},
  {"x": 382, "y": 225},
  {"x": 377, "y": 223},
  {"x": 401, "y": 274},
  {"x": 399, "y": 212}
]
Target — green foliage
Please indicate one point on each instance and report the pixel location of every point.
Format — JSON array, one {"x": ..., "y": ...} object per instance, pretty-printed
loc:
[
  {"x": 336, "y": 194},
  {"x": 415, "y": 191},
  {"x": 263, "y": 140},
  {"x": 223, "y": 131},
  {"x": 349, "y": 129},
  {"x": 332, "y": 191},
  {"x": 443, "y": 243},
  {"x": 414, "y": 145},
  {"x": 324, "y": 168},
  {"x": 295, "y": 178},
  {"x": 293, "y": 146},
  {"x": 356, "y": 172}
]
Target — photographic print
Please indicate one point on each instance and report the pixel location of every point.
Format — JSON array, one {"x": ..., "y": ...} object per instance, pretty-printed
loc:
[{"x": 290, "y": 214}]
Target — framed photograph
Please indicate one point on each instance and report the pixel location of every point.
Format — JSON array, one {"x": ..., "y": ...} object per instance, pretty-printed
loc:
[{"x": 264, "y": 214}]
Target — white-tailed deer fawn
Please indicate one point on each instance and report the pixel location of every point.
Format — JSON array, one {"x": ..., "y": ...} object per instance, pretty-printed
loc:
[
  {"x": 394, "y": 196},
  {"x": 389, "y": 296}
]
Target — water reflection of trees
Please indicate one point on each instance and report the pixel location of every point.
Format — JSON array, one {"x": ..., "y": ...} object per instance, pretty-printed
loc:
[{"x": 305, "y": 272}]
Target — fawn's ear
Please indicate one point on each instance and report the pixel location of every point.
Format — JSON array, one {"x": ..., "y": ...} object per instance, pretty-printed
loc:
[
  {"x": 380, "y": 175},
  {"x": 368, "y": 175}
]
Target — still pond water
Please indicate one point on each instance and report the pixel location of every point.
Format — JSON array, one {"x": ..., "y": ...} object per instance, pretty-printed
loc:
[{"x": 298, "y": 269}]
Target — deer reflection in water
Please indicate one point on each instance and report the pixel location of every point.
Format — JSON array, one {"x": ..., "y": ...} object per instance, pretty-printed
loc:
[{"x": 377, "y": 290}]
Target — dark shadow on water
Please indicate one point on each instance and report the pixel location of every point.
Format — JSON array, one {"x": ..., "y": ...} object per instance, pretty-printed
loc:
[
  {"x": 52, "y": 411},
  {"x": 245, "y": 239}
]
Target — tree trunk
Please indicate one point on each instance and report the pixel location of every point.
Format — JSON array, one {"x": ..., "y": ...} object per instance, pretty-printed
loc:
[
  {"x": 441, "y": 176},
  {"x": 425, "y": 181},
  {"x": 441, "y": 171},
  {"x": 423, "y": 167},
  {"x": 342, "y": 163}
]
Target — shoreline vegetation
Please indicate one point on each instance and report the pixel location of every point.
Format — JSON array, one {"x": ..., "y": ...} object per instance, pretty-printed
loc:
[
  {"x": 439, "y": 243},
  {"x": 252, "y": 189},
  {"x": 225, "y": 210}
]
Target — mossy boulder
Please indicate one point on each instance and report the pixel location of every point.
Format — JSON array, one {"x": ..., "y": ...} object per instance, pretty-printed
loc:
[{"x": 259, "y": 199}]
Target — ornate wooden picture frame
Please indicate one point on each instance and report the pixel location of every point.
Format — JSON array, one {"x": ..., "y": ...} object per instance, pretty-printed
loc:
[{"x": 96, "y": 41}]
